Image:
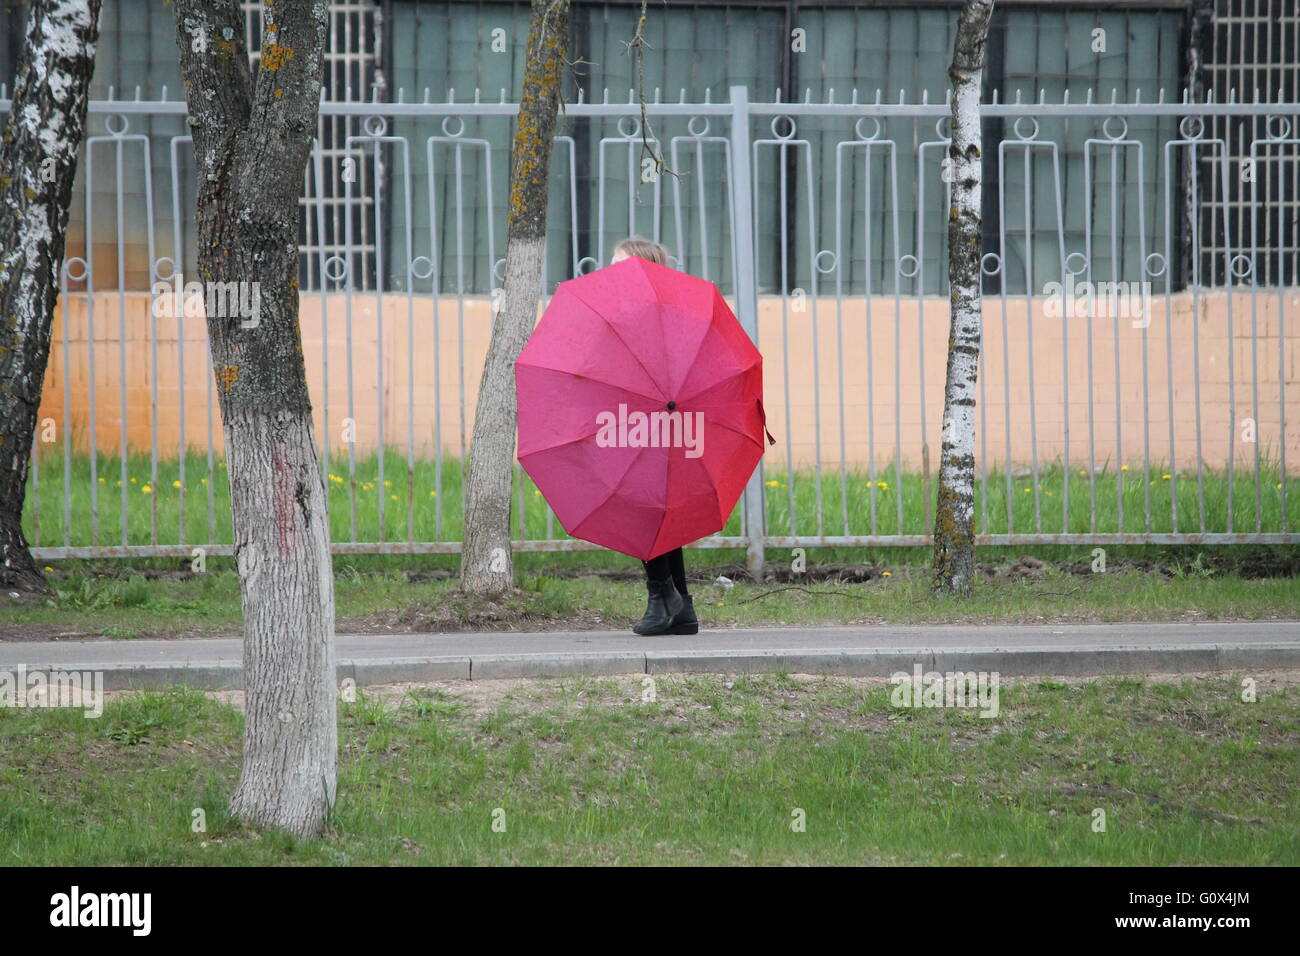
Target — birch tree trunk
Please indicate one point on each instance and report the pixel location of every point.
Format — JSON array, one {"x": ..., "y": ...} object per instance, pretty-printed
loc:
[
  {"x": 251, "y": 143},
  {"x": 954, "y": 525},
  {"x": 486, "y": 566},
  {"x": 38, "y": 162}
]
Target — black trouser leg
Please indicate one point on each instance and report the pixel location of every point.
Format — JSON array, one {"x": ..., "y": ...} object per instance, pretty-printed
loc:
[
  {"x": 677, "y": 564},
  {"x": 658, "y": 568},
  {"x": 671, "y": 564}
]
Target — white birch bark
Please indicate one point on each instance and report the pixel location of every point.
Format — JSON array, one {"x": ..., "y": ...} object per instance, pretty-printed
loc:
[
  {"x": 38, "y": 162},
  {"x": 954, "y": 527}
]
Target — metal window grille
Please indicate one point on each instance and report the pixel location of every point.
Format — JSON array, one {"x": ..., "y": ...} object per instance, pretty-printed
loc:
[
  {"x": 345, "y": 197},
  {"x": 1252, "y": 47}
]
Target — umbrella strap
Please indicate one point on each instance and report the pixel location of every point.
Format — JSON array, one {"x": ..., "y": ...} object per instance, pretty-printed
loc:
[{"x": 762, "y": 414}]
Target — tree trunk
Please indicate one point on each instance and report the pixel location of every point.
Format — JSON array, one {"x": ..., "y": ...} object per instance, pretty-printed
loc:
[
  {"x": 252, "y": 142},
  {"x": 486, "y": 566},
  {"x": 38, "y": 162},
  {"x": 954, "y": 525}
]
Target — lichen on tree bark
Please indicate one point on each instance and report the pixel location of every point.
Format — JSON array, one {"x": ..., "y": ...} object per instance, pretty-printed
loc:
[
  {"x": 486, "y": 565},
  {"x": 252, "y": 141}
]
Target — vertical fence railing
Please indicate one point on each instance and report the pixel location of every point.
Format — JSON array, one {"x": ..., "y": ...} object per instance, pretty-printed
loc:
[{"x": 828, "y": 219}]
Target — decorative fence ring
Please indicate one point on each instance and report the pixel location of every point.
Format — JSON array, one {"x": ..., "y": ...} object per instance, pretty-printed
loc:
[
  {"x": 916, "y": 266},
  {"x": 946, "y": 132},
  {"x": 498, "y": 271},
  {"x": 108, "y": 124},
  {"x": 674, "y": 263},
  {"x": 996, "y": 269},
  {"x": 583, "y": 262},
  {"x": 1281, "y": 132},
  {"x": 446, "y": 128},
  {"x": 634, "y": 132},
  {"x": 421, "y": 272},
  {"x": 817, "y": 261},
  {"x": 331, "y": 264},
  {"x": 67, "y": 269},
  {"x": 1150, "y": 269},
  {"x": 157, "y": 265},
  {"x": 1021, "y": 136},
  {"x": 857, "y": 129},
  {"x": 690, "y": 126},
  {"x": 1114, "y": 137},
  {"x": 1185, "y": 127},
  {"x": 788, "y": 119},
  {"x": 375, "y": 125},
  {"x": 1241, "y": 273},
  {"x": 1082, "y": 268}
]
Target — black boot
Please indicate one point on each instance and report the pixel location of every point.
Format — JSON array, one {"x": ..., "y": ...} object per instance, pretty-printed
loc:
[
  {"x": 685, "y": 621},
  {"x": 663, "y": 605}
]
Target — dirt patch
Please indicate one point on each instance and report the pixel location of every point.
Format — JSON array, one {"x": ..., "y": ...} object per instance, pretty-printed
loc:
[{"x": 514, "y": 610}]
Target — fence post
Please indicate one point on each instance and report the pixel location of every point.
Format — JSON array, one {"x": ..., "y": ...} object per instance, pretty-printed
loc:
[{"x": 742, "y": 257}]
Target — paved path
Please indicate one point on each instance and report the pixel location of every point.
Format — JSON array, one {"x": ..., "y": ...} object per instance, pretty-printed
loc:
[{"x": 1064, "y": 649}]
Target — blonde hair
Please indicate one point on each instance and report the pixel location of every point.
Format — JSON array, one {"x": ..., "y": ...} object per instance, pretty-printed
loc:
[{"x": 645, "y": 248}]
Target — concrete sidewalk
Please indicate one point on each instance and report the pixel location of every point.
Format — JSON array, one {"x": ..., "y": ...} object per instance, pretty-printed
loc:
[{"x": 1050, "y": 649}]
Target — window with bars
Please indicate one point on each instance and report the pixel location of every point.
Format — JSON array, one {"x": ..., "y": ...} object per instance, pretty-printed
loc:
[
  {"x": 1251, "y": 49},
  {"x": 345, "y": 197}
]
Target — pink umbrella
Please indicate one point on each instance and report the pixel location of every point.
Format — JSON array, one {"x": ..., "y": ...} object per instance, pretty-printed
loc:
[{"x": 640, "y": 407}]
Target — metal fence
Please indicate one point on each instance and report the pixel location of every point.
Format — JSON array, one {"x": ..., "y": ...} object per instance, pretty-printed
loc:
[{"x": 1133, "y": 400}]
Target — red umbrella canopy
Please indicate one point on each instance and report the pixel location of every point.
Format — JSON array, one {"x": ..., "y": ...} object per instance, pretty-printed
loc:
[{"x": 640, "y": 407}]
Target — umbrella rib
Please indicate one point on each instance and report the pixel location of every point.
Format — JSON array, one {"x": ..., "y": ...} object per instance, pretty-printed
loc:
[
  {"x": 732, "y": 428},
  {"x": 570, "y": 441},
  {"x": 668, "y": 497},
  {"x": 614, "y": 490},
  {"x": 588, "y": 378},
  {"x": 630, "y": 351},
  {"x": 709, "y": 388}
]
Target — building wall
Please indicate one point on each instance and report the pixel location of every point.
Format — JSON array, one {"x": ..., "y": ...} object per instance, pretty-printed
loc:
[{"x": 812, "y": 374}]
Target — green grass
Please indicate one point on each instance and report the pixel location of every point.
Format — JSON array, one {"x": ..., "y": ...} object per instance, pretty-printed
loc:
[
  {"x": 423, "y": 503},
  {"x": 132, "y": 606},
  {"x": 711, "y": 772}
]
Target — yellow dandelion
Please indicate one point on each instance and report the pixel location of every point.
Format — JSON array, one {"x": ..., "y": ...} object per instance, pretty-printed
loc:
[
  {"x": 1166, "y": 477},
  {"x": 1124, "y": 468},
  {"x": 1278, "y": 485},
  {"x": 101, "y": 481},
  {"x": 48, "y": 568},
  {"x": 536, "y": 493},
  {"x": 388, "y": 484},
  {"x": 773, "y": 484},
  {"x": 204, "y": 480},
  {"x": 1083, "y": 474},
  {"x": 888, "y": 574},
  {"x": 133, "y": 481},
  {"x": 433, "y": 494},
  {"x": 176, "y": 484},
  {"x": 146, "y": 490},
  {"x": 394, "y": 497},
  {"x": 1028, "y": 490}
]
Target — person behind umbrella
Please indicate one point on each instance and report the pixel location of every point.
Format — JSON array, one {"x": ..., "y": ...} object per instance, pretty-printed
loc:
[{"x": 669, "y": 609}]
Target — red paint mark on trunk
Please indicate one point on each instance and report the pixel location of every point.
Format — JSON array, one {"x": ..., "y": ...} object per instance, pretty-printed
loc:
[{"x": 282, "y": 478}]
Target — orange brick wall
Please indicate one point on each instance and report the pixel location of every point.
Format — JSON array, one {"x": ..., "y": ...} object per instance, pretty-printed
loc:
[{"x": 814, "y": 373}]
